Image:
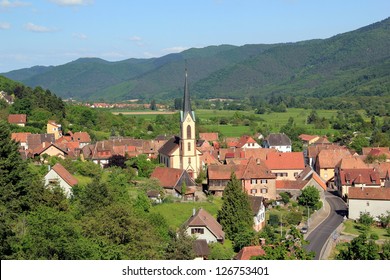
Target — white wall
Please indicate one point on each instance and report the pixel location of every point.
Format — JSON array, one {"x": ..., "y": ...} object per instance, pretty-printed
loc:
[{"x": 374, "y": 207}]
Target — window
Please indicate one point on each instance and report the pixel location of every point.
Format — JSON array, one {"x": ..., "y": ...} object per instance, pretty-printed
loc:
[
  {"x": 189, "y": 146},
  {"x": 188, "y": 132},
  {"x": 189, "y": 160},
  {"x": 197, "y": 231},
  {"x": 253, "y": 181},
  {"x": 295, "y": 174},
  {"x": 368, "y": 203},
  {"x": 263, "y": 181},
  {"x": 253, "y": 191},
  {"x": 263, "y": 190}
]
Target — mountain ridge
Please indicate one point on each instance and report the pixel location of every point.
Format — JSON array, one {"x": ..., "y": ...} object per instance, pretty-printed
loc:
[{"x": 309, "y": 68}]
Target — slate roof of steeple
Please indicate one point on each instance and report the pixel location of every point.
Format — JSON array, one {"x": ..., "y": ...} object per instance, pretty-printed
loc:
[{"x": 187, "y": 101}]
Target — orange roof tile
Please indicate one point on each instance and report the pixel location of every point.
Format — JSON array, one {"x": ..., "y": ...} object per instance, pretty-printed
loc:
[
  {"x": 17, "y": 118},
  {"x": 284, "y": 161},
  {"x": 369, "y": 193},
  {"x": 65, "y": 175},
  {"x": 82, "y": 137},
  {"x": 209, "y": 136},
  {"x": 330, "y": 158},
  {"x": 250, "y": 251},
  {"x": 20, "y": 136},
  {"x": 205, "y": 219}
]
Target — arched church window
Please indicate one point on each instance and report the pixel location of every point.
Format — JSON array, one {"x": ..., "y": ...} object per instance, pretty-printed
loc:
[
  {"x": 189, "y": 146},
  {"x": 188, "y": 132}
]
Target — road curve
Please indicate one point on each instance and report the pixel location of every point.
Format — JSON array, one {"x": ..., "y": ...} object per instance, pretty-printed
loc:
[{"x": 323, "y": 231}]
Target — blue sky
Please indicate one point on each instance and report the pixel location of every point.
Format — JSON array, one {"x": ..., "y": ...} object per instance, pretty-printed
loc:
[{"x": 54, "y": 32}]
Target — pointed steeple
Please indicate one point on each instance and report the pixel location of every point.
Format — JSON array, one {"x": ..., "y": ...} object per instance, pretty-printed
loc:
[{"x": 186, "y": 100}]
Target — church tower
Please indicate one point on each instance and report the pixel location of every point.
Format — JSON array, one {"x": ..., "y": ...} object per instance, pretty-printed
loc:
[{"x": 189, "y": 158}]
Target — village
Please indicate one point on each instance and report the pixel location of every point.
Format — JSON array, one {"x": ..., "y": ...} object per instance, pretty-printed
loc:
[{"x": 194, "y": 167}]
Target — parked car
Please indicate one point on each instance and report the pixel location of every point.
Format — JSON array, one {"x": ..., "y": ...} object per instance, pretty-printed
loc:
[{"x": 304, "y": 230}]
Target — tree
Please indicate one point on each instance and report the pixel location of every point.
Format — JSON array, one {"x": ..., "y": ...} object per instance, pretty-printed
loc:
[
  {"x": 360, "y": 248},
  {"x": 220, "y": 251},
  {"x": 180, "y": 246},
  {"x": 235, "y": 214},
  {"x": 153, "y": 105},
  {"x": 309, "y": 196},
  {"x": 19, "y": 189}
]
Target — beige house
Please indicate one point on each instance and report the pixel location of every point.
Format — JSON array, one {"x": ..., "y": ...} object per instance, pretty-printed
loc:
[
  {"x": 285, "y": 165},
  {"x": 58, "y": 175},
  {"x": 258, "y": 211},
  {"x": 54, "y": 128},
  {"x": 202, "y": 225},
  {"x": 50, "y": 149},
  {"x": 374, "y": 201},
  {"x": 327, "y": 160}
]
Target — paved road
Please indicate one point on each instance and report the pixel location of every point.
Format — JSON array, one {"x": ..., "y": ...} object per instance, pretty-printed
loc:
[{"x": 323, "y": 231}]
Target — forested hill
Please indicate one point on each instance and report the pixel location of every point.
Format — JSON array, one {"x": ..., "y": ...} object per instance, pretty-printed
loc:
[{"x": 355, "y": 63}]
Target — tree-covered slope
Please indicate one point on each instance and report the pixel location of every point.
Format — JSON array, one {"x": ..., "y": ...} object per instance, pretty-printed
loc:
[{"x": 352, "y": 63}]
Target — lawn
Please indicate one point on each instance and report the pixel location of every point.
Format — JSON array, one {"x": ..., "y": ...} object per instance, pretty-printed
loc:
[
  {"x": 176, "y": 213},
  {"x": 351, "y": 227}
]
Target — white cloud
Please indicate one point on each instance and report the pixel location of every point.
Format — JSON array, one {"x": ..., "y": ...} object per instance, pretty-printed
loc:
[
  {"x": 137, "y": 40},
  {"x": 13, "y": 4},
  {"x": 38, "y": 28},
  {"x": 4, "y": 25},
  {"x": 80, "y": 36},
  {"x": 175, "y": 49},
  {"x": 72, "y": 2}
]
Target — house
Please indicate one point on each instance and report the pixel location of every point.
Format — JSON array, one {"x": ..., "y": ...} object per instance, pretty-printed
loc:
[
  {"x": 49, "y": 149},
  {"x": 54, "y": 128},
  {"x": 308, "y": 177},
  {"x": 17, "y": 119},
  {"x": 374, "y": 201},
  {"x": 374, "y": 153},
  {"x": 58, "y": 175},
  {"x": 225, "y": 155},
  {"x": 313, "y": 151},
  {"x": 258, "y": 211},
  {"x": 308, "y": 139},
  {"x": 246, "y": 253},
  {"x": 201, "y": 249},
  {"x": 9, "y": 99},
  {"x": 247, "y": 142},
  {"x": 347, "y": 179},
  {"x": 384, "y": 171},
  {"x": 82, "y": 138},
  {"x": 326, "y": 163},
  {"x": 20, "y": 137},
  {"x": 202, "y": 225},
  {"x": 173, "y": 179},
  {"x": 35, "y": 141},
  {"x": 256, "y": 178},
  {"x": 278, "y": 141},
  {"x": 285, "y": 165},
  {"x": 154, "y": 196},
  {"x": 209, "y": 136}
]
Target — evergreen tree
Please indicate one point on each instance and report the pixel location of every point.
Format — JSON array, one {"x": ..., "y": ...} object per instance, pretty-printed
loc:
[{"x": 235, "y": 214}]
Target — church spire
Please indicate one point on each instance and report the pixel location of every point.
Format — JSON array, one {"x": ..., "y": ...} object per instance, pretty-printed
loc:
[{"x": 186, "y": 100}]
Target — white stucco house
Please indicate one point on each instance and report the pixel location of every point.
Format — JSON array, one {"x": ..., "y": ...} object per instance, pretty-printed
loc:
[
  {"x": 374, "y": 201},
  {"x": 58, "y": 175}
]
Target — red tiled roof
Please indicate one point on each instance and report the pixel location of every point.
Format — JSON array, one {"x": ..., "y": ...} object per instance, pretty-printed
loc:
[
  {"x": 354, "y": 162},
  {"x": 382, "y": 167},
  {"x": 307, "y": 137},
  {"x": 314, "y": 150},
  {"x": 375, "y": 150},
  {"x": 209, "y": 136},
  {"x": 330, "y": 158},
  {"x": 168, "y": 177},
  {"x": 82, "y": 137},
  {"x": 20, "y": 136},
  {"x": 17, "y": 118},
  {"x": 369, "y": 193},
  {"x": 360, "y": 176},
  {"x": 202, "y": 218},
  {"x": 65, "y": 175},
  {"x": 289, "y": 185},
  {"x": 285, "y": 161},
  {"x": 250, "y": 251},
  {"x": 244, "y": 140}
]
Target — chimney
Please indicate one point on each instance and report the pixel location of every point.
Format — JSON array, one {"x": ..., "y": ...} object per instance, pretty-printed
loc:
[
  {"x": 262, "y": 241},
  {"x": 193, "y": 212},
  {"x": 48, "y": 167}
]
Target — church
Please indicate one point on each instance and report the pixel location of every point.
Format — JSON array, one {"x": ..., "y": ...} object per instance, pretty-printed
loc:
[{"x": 180, "y": 151}]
